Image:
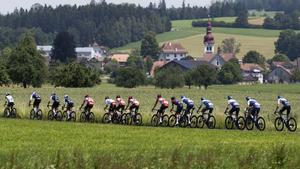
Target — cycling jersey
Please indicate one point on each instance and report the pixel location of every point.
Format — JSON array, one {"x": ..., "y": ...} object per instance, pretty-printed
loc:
[
  {"x": 134, "y": 102},
  {"x": 233, "y": 103},
  {"x": 35, "y": 96},
  {"x": 284, "y": 102},
  {"x": 69, "y": 101},
  {"x": 110, "y": 102},
  {"x": 188, "y": 101},
  {"x": 89, "y": 101},
  {"x": 177, "y": 103},
  {"x": 120, "y": 102},
  {"x": 253, "y": 103},
  {"x": 163, "y": 102},
  {"x": 207, "y": 103},
  {"x": 54, "y": 99},
  {"x": 9, "y": 99}
]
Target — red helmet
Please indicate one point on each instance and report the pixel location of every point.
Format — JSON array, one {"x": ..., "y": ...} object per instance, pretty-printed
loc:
[
  {"x": 130, "y": 97},
  {"x": 159, "y": 96},
  {"x": 118, "y": 97}
]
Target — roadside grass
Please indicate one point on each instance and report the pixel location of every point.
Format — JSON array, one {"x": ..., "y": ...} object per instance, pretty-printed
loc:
[{"x": 40, "y": 144}]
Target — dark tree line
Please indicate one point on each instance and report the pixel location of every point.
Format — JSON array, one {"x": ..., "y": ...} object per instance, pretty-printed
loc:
[
  {"x": 283, "y": 21},
  {"x": 108, "y": 24}
]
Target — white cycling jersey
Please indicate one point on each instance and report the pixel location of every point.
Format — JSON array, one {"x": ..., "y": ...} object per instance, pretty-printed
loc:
[{"x": 9, "y": 99}]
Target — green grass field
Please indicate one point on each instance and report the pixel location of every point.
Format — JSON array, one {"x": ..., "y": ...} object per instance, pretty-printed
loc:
[
  {"x": 43, "y": 144},
  {"x": 261, "y": 40}
]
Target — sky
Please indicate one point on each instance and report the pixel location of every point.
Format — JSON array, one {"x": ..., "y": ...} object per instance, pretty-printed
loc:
[{"x": 9, "y": 5}]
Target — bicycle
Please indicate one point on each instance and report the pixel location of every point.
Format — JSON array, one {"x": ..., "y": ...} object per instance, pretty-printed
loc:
[
  {"x": 155, "y": 120},
  {"x": 133, "y": 118},
  {"x": 35, "y": 114},
  {"x": 113, "y": 117},
  {"x": 71, "y": 117},
  {"x": 182, "y": 121},
  {"x": 208, "y": 120},
  {"x": 54, "y": 115},
  {"x": 10, "y": 112},
  {"x": 87, "y": 116},
  {"x": 232, "y": 120},
  {"x": 281, "y": 121},
  {"x": 259, "y": 122}
]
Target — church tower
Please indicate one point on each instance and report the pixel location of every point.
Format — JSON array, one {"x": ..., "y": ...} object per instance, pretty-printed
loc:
[{"x": 209, "y": 41}]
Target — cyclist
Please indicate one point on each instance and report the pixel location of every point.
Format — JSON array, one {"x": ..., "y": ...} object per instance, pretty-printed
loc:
[
  {"x": 120, "y": 104},
  {"x": 133, "y": 104},
  {"x": 179, "y": 107},
  {"x": 189, "y": 106},
  {"x": 253, "y": 107},
  {"x": 284, "y": 104},
  {"x": 55, "y": 103},
  {"x": 69, "y": 104},
  {"x": 233, "y": 105},
  {"x": 208, "y": 106},
  {"x": 88, "y": 104},
  {"x": 36, "y": 98},
  {"x": 164, "y": 104},
  {"x": 9, "y": 102},
  {"x": 111, "y": 105}
]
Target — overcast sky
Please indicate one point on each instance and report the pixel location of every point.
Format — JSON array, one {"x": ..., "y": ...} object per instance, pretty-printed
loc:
[{"x": 9, "y": 5}]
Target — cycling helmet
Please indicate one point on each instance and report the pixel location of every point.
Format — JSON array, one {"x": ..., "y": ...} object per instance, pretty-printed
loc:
[
  {"x": 202, "y": 98},
  {"x": 159, "y": 96},
  {"x": 248, "y": 98},
  {"x": 106, "y": 98},
  {"x": 118, "y": 97},
  {"x": 173, "y": 98},
  {"x": 182, "y": 97},
  {"x": 33, "y": 93},
  {"x": 7, "y": 93},
  {"x": 279, "y": 97},
  {"x": 229, "y": 97},
  {"x": 86, "y": 96},
  {"x": 53, "y": 94},
  {"x": 130, "y": 97},
  {"x": 66, "y": 97}
]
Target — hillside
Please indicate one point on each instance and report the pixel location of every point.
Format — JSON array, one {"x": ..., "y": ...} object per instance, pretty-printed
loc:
[{"x": 192, "y": 38}]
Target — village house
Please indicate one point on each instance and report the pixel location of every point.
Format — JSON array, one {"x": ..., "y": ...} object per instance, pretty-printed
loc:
[
  {"x": 186, "y": 65},
  {"x": 281, "y": 72},
  {"x": 252, "y": 73},
  {"x": 172, "y": 51},
  {"x": 121, "y": 58}
]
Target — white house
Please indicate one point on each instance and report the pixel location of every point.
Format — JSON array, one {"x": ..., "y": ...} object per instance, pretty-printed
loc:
[
  {"x": 252, "y": 73},
  {"x": 172, "y": 51},
  {"x": 46, "y": 50}
]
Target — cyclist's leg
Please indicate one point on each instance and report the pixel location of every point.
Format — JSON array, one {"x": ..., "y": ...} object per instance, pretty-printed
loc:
[
  {"x": 288, "y": 111},
  {"x": 177, "y": 114}
]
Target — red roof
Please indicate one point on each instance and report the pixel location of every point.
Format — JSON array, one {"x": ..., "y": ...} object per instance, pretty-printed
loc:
[
  {"x": 285, "y": 69},
  {"x": 171, "y": 47},
  {"x": 250, "y": 66},
  {"x": 156, "y": 65},
  {"x": 208, "y": 57}
]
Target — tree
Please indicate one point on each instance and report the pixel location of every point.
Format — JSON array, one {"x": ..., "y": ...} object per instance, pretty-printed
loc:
[
  {"x": 242, "y": 16},
  {"x": 279, "y": 58},
  {"x": 171, "y": 77},
  {"x": 149, "y": 46},
  {"x": 4, "y": 78},
  {"x": 230, "y": 45},
  {"x": 188, "y": 77},
  {"x": 296, "y": 76},
  {"x": 204, "y": 75},
  {"x": 75, "y": 75},
  {"x": 254, "y": 57},
  {"x": 26, "y": 65},
  {"x": 136, "y": 62},
  {"x": 230, "y": 73},
  {"x": 129, "y": 77},
  {"x": 288, "y": 44},
  {"x": 111, "y": 66},
  {"x": 63, "y": 48},
  {"x": 148, "y": 64}
]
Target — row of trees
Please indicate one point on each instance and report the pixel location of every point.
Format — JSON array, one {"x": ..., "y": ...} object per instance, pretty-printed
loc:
[
  {"x": 283, "y": 21},
  {"x": 108, "y": 24}
]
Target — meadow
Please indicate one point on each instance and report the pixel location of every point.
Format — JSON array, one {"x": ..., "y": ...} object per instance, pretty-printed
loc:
[{"x": 44, "y": 144}]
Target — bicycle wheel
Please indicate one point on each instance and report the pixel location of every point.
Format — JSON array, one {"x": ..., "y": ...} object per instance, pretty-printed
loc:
[
  {"x": 261, "y": 124},
  {"x": 229, "y": 122},
  {"x": 154, "y": 120},
  {"x": 172, "y": 121},
  {"x": 194, "y": 120},
  {"x": 138, "y": 119},
  {"x": 32, "y": 114},
  {"x": 200, "y": 121},
  {"x": 123, "y": 118},
  {"x": 13, "y": 113},
  {"x": 279, "y": 124},
  {"x": 183, "y": 121},
  {"x": 39, "y": 114},
  {"x": 115, "y": 118},
  {"x": 82, "y": 117},
  {"x": 65, "y": 116},
  {"x": 72, "y": 116},
  {"x": 91, "y": 117},
  {"x": 58, "y": 116},
  {"x": 211, "y": 122},
  {"x": 6, "y": 112},
  {"x": 165, "y": 120},
  {"x": 50, "y": 115},
  {"x": 240, "y": 123},
  {"x": 249, "y": 123},
  {"x": 106, "y": 118},
  {"x": 292, "y": 124}
]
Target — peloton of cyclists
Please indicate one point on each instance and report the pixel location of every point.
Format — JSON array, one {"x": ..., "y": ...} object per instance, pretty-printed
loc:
[
  {"x": 253, "y": 107},
  {"x": 179, "y": 108},
  {"x": 164, "y": 104},
  {"x": 36, "y": 98},
  {"x": 233, "y": 105},
  {"x": 284, "y": 105}
]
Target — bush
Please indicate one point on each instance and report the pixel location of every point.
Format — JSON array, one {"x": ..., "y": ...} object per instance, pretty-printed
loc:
[
  {"x": 171, "y": 77},
  {"x": 204, "y": 75},
  {"x": 129, "y": 77},
  {"x": 75, "y": 75},
  {"x": 230, "y": 73},
  {"x": 254, "y": 57}
]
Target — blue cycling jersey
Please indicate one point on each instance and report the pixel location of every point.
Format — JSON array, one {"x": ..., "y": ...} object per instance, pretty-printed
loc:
[
  {"x": 188, "y": 101},
  {"x": 177, "y": 103},
  {"x": 284, "y": 102},
  {"x": 253, "y": 103},
  {"x": 36, "y": 96},
  {"x": 68, "y": 101},
  {"x": 207, "y": 103},
  {"x": 54, "y": 98}
]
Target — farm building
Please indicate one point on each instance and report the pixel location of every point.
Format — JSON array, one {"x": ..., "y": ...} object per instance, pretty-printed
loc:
[{"x": 172, "y": 51}]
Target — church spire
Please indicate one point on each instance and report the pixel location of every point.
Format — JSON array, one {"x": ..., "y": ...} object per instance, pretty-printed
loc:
[{"x": 209, "y": 40}]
